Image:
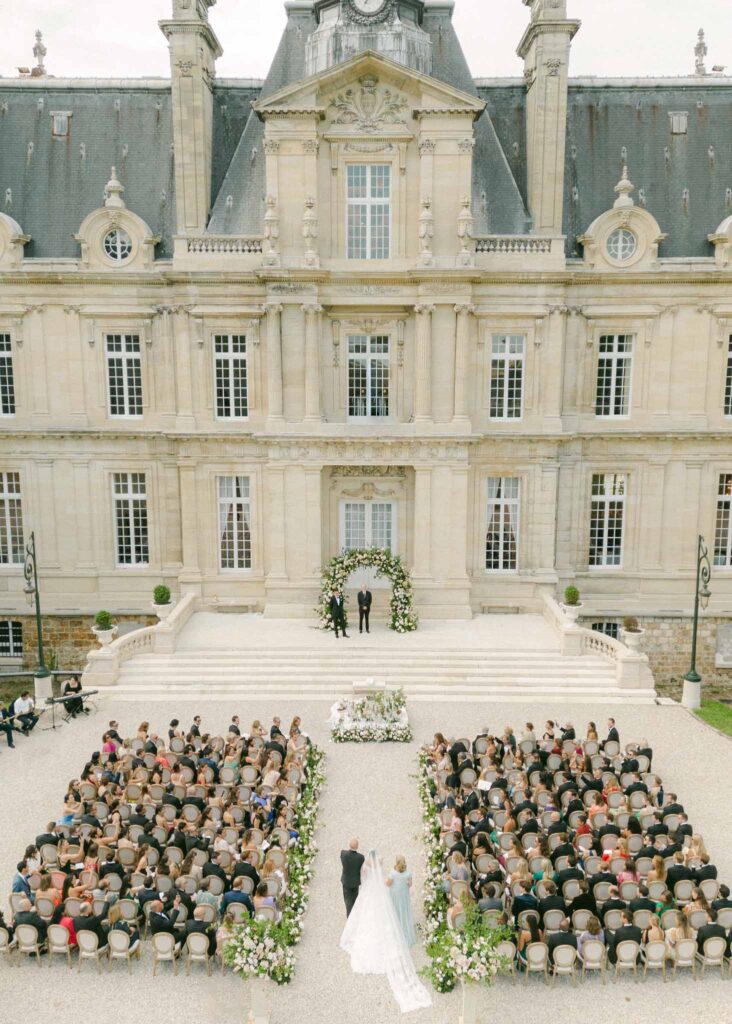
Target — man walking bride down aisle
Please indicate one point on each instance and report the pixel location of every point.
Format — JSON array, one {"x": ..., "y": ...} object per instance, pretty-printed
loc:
[{"x": 379, "y": 928}]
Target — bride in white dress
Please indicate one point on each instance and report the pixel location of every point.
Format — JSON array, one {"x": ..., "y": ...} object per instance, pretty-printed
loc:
[{"x": 375, "y": 942}]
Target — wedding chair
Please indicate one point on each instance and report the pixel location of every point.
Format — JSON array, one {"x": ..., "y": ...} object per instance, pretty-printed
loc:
[
  {"x": 120, "y": 948},
  {"x": 197, "y": 951},
  {"x": 565, "y": 963},
  {"x": 26, "y": 937},
  {"x": 627, "y": 958},
  {"x": 89, "y": 949}
]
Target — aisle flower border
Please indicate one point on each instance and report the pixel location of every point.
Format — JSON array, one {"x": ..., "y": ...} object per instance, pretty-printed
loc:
[
  {"x": 467, "y": 956},
  {"x": 385, "y": 707},
  {"x": 403, "y": 618},
  {"x": 263, "y": 949}
]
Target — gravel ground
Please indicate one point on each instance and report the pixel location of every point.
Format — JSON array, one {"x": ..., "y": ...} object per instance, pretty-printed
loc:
[{"x": 370, "y": 792}]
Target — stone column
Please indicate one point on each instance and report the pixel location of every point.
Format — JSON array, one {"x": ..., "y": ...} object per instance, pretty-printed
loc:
[
  {"x": 314, "y": 520},
  {"x": 180, "y": 328},
  {"x": 462, "y": 344},
  {"x": 422, "y": 518},
  {"x": 312, "y": 361},
  {"x": 275, "y": 489},
  {"x": 190, "y": 577},
  {"x": 458, "y": 535},
  {"x": 274, "y": 361},
  {"x": 423, "y": 364}
]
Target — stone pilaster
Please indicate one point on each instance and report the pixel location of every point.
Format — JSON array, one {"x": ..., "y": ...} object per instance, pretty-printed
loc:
[
  {"x": 463, "y": 314},
  {"x": 274, "y": 361},
  {"x": 423, "y": 364},
  {"x": 312, "y": 313}
]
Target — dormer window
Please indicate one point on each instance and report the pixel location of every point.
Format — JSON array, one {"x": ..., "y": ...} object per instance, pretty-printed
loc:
[
  {"x": 60, "y": 123},
  {"x": 621, "y": 245},
  {"x": 679, "y": 122},
  {"x": 117, "y": 245}
]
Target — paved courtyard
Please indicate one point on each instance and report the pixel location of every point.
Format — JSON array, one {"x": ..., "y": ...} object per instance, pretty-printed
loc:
[{"x": 371, "y": 792}]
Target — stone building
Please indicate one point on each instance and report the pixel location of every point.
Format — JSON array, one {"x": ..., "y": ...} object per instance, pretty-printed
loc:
[{"x": 370, "y": 300}]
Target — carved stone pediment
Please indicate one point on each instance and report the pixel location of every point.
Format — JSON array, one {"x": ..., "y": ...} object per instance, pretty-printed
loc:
[{"x": 367, "y": 107}]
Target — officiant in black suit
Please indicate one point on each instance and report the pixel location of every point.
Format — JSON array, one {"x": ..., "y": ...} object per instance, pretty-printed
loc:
[
  {"x": 352, "y": 862},
  {"x": 338, "y": 613},
  {"x": 365, "y": 599}
]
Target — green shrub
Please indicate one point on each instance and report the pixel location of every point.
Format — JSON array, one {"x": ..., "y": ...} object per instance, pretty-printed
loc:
[
  {"x": 630, "y": 625},
  {"x": 104, "y": 620},
  {"x": 161, "y": 594},
  {"x": 571, "y": 596}
]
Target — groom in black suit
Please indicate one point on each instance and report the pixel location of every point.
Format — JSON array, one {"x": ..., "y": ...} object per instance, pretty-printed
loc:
[
  {"x": 352, "y": 862},
  {"x": 338, "y": 613},
  {"x": 364, "y": 607}
]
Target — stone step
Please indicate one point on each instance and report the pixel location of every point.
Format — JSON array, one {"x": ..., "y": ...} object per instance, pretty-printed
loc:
[{"x": 522, "y": 695}]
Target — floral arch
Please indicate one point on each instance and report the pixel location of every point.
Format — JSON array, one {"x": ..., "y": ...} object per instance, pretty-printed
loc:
[{"x": 403, "y": 617}]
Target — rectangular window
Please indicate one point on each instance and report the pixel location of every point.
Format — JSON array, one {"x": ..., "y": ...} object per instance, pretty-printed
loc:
[
  {"x": 728, "y": 381},
  {"x": 501, "y": 542},
  {"x": 11, "y": 639},
  {"x": 130, "y": 517},
  {"x": 124, "y": 375},
  {"x": 235, "y": 523},
  {"x": 368, "y": 211},
  {"x": 606, "y": 519},
  {"x": 230, "y": 354},
  {"x": 507, "y": 376},
  {"x": 60, "y": 123},
  {"x": 368, "y": 524},
  {"x": 368, "y": 376},
  {"x": 7, "y": 384},
  {"x": 608, "y": 628},
  {"x": 723, "y": 530},
  {"x": 614, "y": 369},
  {"x": 12, "y": 550}
]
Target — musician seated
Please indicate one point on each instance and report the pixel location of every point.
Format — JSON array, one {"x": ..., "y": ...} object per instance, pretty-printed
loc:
[
  {"x": 24, "y": 710},
  {"x": 75, "y": 706}
]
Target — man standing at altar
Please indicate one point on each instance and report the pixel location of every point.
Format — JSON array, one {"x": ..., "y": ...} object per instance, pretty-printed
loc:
[
  {"x": 338, "y": 613},
  {"x": 364, "y": 607}
]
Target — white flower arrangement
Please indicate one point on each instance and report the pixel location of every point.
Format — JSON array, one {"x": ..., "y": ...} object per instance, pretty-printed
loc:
[
  {"x": 468, "y": 956},
  {"x": 403, "y": 618},
  {"x": 263, "y": 948},
  {"x": 378, "y": 718}
]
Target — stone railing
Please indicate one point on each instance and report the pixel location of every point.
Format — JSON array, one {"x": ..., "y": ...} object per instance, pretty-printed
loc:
[
  {"x": 103, "y": 663},
  {"x": 224, "y": 244},
  {"x": 632, "y": 670},
  {"x": 513, "y": 245}
]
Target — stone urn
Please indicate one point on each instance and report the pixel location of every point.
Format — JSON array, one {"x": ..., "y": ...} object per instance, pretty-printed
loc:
[
  {"x": 632, "y": 637},
  {"x": 572, "y": 611},
  {"x": 105, "y": 636},
  {"x": 163, "y": 610}
]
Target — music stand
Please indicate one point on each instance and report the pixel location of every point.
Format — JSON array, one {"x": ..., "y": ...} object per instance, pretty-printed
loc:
[{"x": 54, "y": 725}]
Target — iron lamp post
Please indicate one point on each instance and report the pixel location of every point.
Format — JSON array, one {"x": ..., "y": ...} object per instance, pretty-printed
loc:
[
  {"x": 692, "y": 680},
  {"x": 43, "y": 685}
]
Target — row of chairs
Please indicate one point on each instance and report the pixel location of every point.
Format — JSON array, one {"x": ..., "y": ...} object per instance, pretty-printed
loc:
[
  {"x": 166, "y": 949},
  {"x": 631, "y": 956}
]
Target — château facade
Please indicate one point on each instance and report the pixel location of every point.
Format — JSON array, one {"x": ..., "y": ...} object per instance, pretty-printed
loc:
[{"x": 368, "y": 301}]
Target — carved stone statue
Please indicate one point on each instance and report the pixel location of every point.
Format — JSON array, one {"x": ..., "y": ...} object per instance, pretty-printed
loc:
[
  {"x": 310, "y": 232},
  {"x": 271, "y": 233},
  {"x": 426, "y": 233}
]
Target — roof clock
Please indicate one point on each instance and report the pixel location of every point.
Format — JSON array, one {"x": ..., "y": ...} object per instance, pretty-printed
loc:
[{"x": 367, "y": 12}]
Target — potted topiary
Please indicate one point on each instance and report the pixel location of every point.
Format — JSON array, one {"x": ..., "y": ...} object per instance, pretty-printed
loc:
[
  {"x": 161, "y": 601},
  {"x": 572, "y": 604},
  {"x": 104, "y": 629},
  {"x": 631, "y": 632}
]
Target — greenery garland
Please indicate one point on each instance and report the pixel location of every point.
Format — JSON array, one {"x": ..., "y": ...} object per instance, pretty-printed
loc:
[
  {"x": 262, "y": 948},
  {"x": 403, "y": 617},
  {"x": 469, "y": 955}
]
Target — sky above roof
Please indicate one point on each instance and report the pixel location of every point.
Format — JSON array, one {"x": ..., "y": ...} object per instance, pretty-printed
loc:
[{"x": 96, "y": 38}]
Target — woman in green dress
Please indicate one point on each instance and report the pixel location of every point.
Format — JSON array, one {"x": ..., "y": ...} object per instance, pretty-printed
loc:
[{"x": 400, "y": 882}]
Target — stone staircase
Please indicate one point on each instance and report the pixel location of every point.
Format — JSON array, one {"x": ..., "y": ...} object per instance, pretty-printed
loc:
[{"x": 221, "y": 662}]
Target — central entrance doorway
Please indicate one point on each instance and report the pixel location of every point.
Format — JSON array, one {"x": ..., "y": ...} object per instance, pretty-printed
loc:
[{"x": 370, "y": 523}]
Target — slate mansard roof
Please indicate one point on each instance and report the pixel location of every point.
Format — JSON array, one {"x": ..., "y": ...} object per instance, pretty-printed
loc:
[{"x": 48, "y": 185}]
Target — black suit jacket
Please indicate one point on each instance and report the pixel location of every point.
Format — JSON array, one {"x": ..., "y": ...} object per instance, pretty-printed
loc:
[
  {"x": 613, "y": 735},
  {"x": 550, "y": 903},
  {"x": 163, "y": 922},
  {"x": 560, "y": 939},
  {"x": 47, "y": 838},
  {"x": 364, "y": 600},
  {"x": 337, "y": 609},
  {"x": 351, "y": 862},
  {"x": 245, "y": 870},
  {"x": 204, "y": 929},
  {"x": 709, "y": 931},
  {"x": 31, "y": 917},
  {"x": 91, "y": 924},
  {"x": 625, "y": 933}
]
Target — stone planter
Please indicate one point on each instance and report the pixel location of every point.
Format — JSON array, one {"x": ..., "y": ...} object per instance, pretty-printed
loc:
[
  {"x": 572, "y": 611},
  {"x": 105, "y": 636},
  {"x": 632, "y": 638},
  {"x": 163, "y": 610}
]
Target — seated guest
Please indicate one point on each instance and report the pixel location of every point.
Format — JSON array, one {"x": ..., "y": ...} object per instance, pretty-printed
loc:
[
  {"x": 7, "y": 724},
  {"x": 525, "y": 900},
  {"x": 27, "y": 915},
  {"x": 564, "y": 937},
  {"x": 236, "y": 895},
  {"x": 118, "y": 924},
  {"x": 20, "y": 880},
  {"x": 162, "y": 919},
  {"x": 627, "y": 931},
  {"x": 592, "y": 931},
  {"x": 723, "y": 900},
  {"x": 8, "y": 927},
  {"x": 200, "y": 926},
  {"x": 262, "y": 899},
  {"x": 490, "y": 897},
  {"x": 88, "y": 921},
  {"x": 530, "y": 933},
  {"x": 711, "y": 930},
  {"x": 552, "y": 901}
]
